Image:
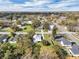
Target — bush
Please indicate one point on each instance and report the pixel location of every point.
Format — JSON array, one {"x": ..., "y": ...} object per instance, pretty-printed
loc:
[{"x": 46, "y": 43}]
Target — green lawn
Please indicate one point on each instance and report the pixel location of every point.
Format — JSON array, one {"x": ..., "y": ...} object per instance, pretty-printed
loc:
[
  {"x": 37, "y": 30},
  {"x": 45, "y": 48},
  {"x": 27, "y": 28},
  {"x": 8, "y": 29},
  {"x": 45, "y": 30},
  {"x": 47, "y": 37}
]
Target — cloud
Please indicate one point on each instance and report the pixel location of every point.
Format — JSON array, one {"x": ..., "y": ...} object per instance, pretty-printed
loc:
[
  {"x": 40, "y": 5},
  {"x": 29, "y": 5},
  {"x": 64, "y": 5}
]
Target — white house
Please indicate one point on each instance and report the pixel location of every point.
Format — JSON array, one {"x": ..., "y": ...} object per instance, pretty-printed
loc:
[
  {"x": 37, "y": 37},
  {"x": 22, "y": 27},
  {"x": 29, "y": 22},
  {"x": 26, "y": 22},
  {"x": 51, "y": 26}
]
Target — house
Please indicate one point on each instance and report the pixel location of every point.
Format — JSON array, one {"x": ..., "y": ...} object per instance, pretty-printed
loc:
[
  {"x": 6, "y": 24},
  {"x": 29, "y": 22},
  {"x": 51, "y": 26},
  {"x": 74, "y": 50},
  {"x": 64, "y": 42},
  {"x": 37, "y": 37},
  {"x": 58, "y": 36},
  {"x": 20, "y": 26},
  {"x": 13, "y": 39},
  {"x": 24, "y": 22},
  {"x": 73, "y": 28},
  {"x": 63, "y": 17},
  {"x": 4, "y": 38}
]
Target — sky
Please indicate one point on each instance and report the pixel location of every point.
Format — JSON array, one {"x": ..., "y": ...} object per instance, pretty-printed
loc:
[{"x": 39, "y": 5}]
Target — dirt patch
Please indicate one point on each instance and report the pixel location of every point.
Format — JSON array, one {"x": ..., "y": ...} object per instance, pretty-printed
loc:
[{"x": 72, "y": 58}]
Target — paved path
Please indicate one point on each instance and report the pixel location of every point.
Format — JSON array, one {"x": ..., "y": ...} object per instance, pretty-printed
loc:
[
  {"x": 4, "y": 32},
  {"x": 42, "y": 33},
  {"x": 21, "y": 33},
  {"x": 66, "y": 32}
]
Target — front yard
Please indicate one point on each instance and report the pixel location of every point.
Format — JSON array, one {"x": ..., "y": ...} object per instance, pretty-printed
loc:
[
  {"x": 8, "y": 29},
  {"x": 47, "y": 36},
  {"x": 28, "y": 28}
]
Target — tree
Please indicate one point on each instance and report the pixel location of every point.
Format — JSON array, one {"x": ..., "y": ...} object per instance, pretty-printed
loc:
[
  {"x": 7, "y": 55},
  {"x": 48, "y": 52},
  {"x": 36, "y": 23},
  {"x": 1, "y": 23},
  {"x": 1, "y": 53},
  {"x": 46, "y": 43},
  {"x": 24, "y": 46},
  {"x": 54, "y": 31},
  {"x": 6, "y": 51},
  {"x": 36, "y": 51},
  {"x": 60, "y": 52},
  {"x": 14, "y": 27},
  {"x": 46, "y": 25},
  {"x": 31, "y": 34}
]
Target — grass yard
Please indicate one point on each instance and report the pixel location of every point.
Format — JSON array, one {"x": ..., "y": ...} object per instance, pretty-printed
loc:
[
  {"x": 47, "y": 36},
  {"x": 37, "y": 30},
  {"x": 45, "y": 30},
  {"x": 27, "y": 28},
  {"x": 46, "y": 49},
  {"x": 8, "y": 29}
]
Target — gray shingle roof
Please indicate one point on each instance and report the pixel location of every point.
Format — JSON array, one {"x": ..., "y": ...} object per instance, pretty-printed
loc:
[
  {"x": 65, "y": 41},
  {"x": 3, "y": 37},
  {"x": 75, "y": 49}
]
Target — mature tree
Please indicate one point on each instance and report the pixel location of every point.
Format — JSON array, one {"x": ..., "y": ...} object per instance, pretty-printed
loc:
[
  {"x": 6, "y": 51},
  {"x": 18, "y": 22},
  {"x": 31, "y": 34},
  {"x": 14, "y": 27},
  {"x": 54, "y": 31},
  {"x": 60, "y": 52},
  {"x": 1, "y": 23},
  {"x": 24, "y": 45},
  {"x": 46, "y": 42},
  {"x": 46, "y": 25},
  {"x": 36, "y": 23},
  {"x": 48, "y": 52},
  {"x": 1, "y": 53},
  {"x": 7, "y": 54},
  {"x": 36, "y": 51}
]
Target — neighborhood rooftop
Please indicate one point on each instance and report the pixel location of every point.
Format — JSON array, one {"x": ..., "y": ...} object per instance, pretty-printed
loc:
[
  {"x": 65, "y": 41},
  {"x": 75, "y": 50}
]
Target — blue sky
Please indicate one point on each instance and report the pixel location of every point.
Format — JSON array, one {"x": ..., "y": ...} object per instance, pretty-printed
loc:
[{"x": 39, "y": 5}]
